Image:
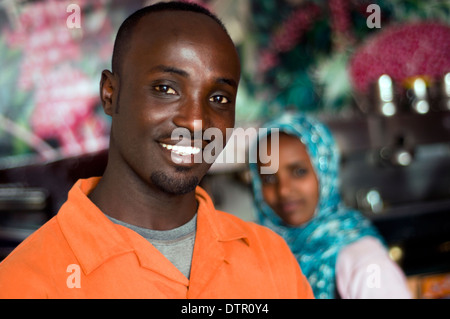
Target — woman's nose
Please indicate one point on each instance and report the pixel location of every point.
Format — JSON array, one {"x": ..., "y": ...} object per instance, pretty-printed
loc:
[{"x": 284, "y": 187}]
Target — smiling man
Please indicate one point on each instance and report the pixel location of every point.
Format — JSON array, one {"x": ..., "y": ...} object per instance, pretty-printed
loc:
[{"x": 145, "y": 229}]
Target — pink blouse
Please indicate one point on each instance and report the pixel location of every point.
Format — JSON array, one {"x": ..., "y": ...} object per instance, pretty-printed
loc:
[{"x": 364, "y": 270}]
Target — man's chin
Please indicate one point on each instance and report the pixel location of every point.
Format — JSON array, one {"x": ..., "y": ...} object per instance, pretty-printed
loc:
[{"x": 174, "y": 185}]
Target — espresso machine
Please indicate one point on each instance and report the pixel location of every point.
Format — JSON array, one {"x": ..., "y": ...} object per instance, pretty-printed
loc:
[{"x": 396, "y": 167}]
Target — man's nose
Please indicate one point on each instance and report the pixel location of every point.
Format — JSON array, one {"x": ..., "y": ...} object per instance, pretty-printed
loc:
[{"x": 192, "y": 114}]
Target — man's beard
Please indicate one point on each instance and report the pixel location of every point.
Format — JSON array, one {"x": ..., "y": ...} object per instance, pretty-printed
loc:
[{"x": 174, "y": 185}]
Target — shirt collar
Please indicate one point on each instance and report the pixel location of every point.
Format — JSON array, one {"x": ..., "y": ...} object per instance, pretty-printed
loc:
[
  {"x": 223, "y": 224},
  {"x": 94, "y": 239}
]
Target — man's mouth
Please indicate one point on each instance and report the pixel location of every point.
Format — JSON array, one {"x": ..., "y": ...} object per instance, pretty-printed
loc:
[{"x": 181, "y": 150}]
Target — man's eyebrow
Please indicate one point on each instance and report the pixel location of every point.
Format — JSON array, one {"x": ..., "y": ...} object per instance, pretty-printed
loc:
[
  {"x": 230, "y": 82},
  {"x": 170, "y": 69}
]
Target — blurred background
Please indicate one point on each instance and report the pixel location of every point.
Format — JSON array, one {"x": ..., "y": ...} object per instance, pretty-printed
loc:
[{"x": 377, "y": 72}]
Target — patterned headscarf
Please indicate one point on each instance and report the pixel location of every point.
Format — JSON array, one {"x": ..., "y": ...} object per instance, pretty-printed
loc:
[{"x": 317, "y": 243}]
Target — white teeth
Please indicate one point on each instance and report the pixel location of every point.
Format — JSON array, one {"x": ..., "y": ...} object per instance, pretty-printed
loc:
[{"x": 181, "y": 150}]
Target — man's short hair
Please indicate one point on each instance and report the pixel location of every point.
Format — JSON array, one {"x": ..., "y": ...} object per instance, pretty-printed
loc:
[{"x": 124, "y": 34}]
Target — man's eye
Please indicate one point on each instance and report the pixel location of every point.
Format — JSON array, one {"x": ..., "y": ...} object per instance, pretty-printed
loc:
[
  {"x": 220, "y": 99},
  {"x": 165, "y": 89}
]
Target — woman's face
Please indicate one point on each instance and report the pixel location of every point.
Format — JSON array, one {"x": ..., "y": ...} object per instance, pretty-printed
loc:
[{"x": 293, "y": 191}]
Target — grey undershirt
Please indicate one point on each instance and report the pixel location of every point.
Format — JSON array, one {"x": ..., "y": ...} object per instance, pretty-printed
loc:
[{"x": 177, "y": 244}]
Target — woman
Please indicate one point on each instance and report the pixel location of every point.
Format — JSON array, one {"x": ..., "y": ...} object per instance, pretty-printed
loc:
[{"x": 338, "y": 249}]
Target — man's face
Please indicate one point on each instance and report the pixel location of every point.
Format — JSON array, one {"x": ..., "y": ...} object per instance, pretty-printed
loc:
[{"x": 181, "y": 67}]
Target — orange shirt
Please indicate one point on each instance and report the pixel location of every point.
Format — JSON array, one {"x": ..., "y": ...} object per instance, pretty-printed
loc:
[{"x": 80, "y": 253}]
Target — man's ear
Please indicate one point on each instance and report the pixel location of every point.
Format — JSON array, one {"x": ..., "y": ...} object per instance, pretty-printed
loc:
[{"x": 108, "y": 86}]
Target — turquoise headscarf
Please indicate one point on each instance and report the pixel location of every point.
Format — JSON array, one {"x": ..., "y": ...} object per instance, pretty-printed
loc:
[{"x": 317, "y": 243}]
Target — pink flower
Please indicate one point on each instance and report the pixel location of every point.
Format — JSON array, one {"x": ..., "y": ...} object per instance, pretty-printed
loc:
[
  {"x": 288, "y": 35},
  {"x": 64, "y": 97},
  {"x": 401, "y": 52},
  {"x": 294, "y": 27},
  {"x": 267, "y": 60}
]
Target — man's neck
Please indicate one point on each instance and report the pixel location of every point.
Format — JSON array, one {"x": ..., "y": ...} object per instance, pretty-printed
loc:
[{"x": 135, "y": 202}]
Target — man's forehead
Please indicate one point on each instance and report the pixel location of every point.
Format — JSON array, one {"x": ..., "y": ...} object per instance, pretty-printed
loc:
[
  {"x": 170, "y": 27},
  {"x": 160, "y": 38},
  {"x": 162, "y": 29},
  {"x": 170, "y": 20}
]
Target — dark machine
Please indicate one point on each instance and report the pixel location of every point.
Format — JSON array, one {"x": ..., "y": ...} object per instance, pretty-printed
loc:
[{"x": 396, "y": 169}]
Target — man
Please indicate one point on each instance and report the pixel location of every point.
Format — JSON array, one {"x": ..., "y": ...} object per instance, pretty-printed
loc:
[{"x": 145, "y": 230}]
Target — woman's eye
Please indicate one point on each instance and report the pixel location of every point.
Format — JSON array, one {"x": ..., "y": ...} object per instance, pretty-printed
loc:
[
  {"x": 165, "y": 89},
  {"x": 299, "y": 172},
  {"x": 220, "y": 99}
]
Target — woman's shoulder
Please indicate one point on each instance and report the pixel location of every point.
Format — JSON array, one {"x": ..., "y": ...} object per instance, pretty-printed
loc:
[
  {"x": 365, "y": 270},
  {"x": 364, "y": 247}
]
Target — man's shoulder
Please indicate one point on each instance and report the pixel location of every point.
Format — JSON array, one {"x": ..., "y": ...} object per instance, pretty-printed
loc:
[
  {"x": 254, "y": 231},
  {"x": 35, "y": 244},
  {"x": 273, "y": 255},
  {"x": 25, "y": 271},
  {"x": 39, "y": 252}
]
